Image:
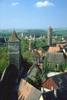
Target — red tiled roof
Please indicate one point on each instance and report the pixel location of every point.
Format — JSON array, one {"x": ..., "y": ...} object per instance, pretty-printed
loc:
[
  {"x": 60, "y": 45},
  {"x": 39, "y": 51},
  {"x": 54, "y": 49}
]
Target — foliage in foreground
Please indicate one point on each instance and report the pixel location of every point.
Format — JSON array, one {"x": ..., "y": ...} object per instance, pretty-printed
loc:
[
  {"x": 4, "y": 62},
  {"x": 37, "y": 81}
]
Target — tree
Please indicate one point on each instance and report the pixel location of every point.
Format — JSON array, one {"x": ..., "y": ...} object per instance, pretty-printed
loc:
[
  {"x": 37, "y": 80},
  {"x": 53, "y": 67},
  {"x": 65, "y": 66},
  {"x": 30, "y": 57},
  {"x": 45, "y": 66},
  {"x": 24, "y": 45},
  {"x": 61, "y": 68},
  {"x": 4, "y": 61},
  {"x": 29, "y": 80},
  {"x": 38, "y": 44}
]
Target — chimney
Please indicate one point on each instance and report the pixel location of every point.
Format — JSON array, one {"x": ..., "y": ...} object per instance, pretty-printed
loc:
[
  {"x": 55, "y": 92},
  {"x": 52, "y": 88},
  {"x": 42, "y": 90}
]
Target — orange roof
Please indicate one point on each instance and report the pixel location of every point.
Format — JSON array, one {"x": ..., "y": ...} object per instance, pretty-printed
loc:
[
  {"x": 26, "y": 91},
  {"x": 44, "y": 54},
  {"x": 54, "y": 49},
  {"x": 65, "y": 70},
  {"x": 39, "y": 51},
  {"x": 60, "y": 45},
  {"x": 34, "y": 51}
]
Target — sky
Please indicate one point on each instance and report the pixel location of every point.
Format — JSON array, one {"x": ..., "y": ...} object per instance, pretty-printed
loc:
[{"x": 33, "y": 14}]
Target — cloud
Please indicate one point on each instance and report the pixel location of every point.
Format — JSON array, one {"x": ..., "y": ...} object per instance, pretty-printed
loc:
[
  {"x": 44, "y": 4},
  {"x": 14, "y": 3}
]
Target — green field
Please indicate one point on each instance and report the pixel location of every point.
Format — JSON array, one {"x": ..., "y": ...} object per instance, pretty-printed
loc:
[{"x": 36, "y": 32}]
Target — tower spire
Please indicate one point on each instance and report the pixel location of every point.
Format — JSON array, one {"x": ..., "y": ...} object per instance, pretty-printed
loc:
[{"x": 14, "y": 37}]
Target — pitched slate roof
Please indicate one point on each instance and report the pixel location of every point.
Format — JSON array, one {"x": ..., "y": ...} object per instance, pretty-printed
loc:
[
  {"x": 14, "y": 37},
  {"x": 49, "y": 96},
  {"x": 45, "y": 48},
  {"x": 32, "y": 71},
  {"x": 8, "y": 81},
  {"x": 61, "y": 94},
  {"x": 55, "y": 57},
  {"x": 60, "y": 80},
  {"x": 27, "y": 92}
]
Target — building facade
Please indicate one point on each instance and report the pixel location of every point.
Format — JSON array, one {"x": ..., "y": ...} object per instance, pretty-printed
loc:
[
  {"x": 14, "y": 50},
  {"x": 49, "y": 36}
]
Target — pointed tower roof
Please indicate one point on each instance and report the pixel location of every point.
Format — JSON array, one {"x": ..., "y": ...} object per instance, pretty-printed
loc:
[
  {"x": 50, "y": 28},
  {"x": 14, "y": 37}
]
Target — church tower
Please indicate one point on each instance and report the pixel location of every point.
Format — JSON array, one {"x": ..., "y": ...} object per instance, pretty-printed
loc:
[
  {"x": 14, "y": 50},
  {"x": 49, "y": 36}
]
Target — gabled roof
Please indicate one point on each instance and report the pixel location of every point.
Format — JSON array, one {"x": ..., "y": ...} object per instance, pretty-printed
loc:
[
  {"x": 65, "y": 46},
  {"x": 61, "y": 45},
  {"x": 45, "y": 48},
  {"x": 56, "y": 57},
  {"x": 14, "y": 37},
  {"x": 60, "y": 80},
  {"x": 56, "y": 81},
  {"x": 54, "y": 49},
  {"x": 8, "y": 81},
  {"x": 61, "y": 94},
  {"x": 40, "y": 52},
  {"x": 49, "y": 96},
  {"x": 32, "y": 71},
  {"x": 27, "y": 92}
]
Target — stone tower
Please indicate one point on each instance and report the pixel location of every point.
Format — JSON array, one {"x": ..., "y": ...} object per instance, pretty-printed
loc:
[
  {"x": 14, "y": 50},
  {"x": 30, "y": 46},
  {"x": 49, "y": 36},
  {"x": 22, "y": 34}
]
